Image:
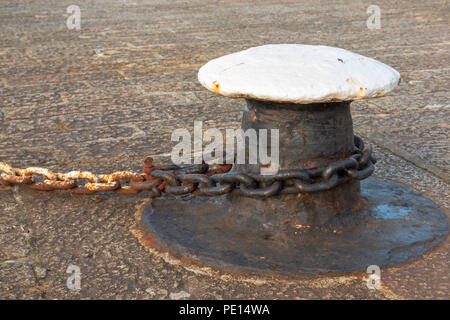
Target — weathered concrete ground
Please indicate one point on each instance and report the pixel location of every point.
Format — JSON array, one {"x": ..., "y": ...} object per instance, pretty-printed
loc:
[{"x": 105, "y": 96}]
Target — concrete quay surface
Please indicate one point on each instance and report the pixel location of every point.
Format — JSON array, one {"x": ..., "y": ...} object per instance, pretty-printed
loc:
[{"x": 103, "y": 97}]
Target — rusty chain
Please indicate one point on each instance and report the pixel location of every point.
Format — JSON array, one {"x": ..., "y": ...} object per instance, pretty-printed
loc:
[{"x": 202, "y": 180}]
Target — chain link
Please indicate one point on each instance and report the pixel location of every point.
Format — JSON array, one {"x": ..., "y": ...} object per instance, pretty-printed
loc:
[{"x": 202, "y": 180}]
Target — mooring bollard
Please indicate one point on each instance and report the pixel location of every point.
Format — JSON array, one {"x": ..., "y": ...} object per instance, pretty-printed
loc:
[{"x": 317, "y": 217}]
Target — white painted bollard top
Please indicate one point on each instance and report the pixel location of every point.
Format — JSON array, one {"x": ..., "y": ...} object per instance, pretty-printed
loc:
[{"x": 298, "y": 74}]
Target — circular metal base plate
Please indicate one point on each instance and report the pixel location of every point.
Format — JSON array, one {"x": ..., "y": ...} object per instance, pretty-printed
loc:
[{"x": 391, "y": 225}]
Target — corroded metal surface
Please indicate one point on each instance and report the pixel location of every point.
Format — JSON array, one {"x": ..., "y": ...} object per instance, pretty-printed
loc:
[
  {"x": 391, "y": 225},
  {"x": 203, "y": 179},
  {"x": 340, "y": 229}
]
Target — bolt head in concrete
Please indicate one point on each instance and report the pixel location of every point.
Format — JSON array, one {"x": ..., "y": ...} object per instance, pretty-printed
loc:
[{"x": 298, "y": 74}]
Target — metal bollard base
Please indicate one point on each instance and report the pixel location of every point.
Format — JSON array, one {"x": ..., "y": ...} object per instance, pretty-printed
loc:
[{"x": 389, "y": 225}]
